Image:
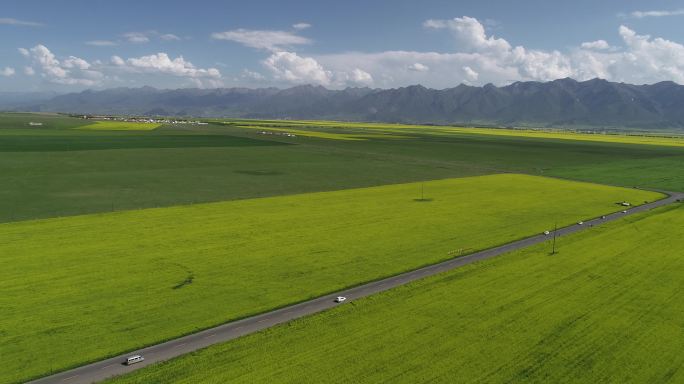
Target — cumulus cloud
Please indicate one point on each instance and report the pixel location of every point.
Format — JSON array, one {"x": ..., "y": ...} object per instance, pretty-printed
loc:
[
  {"x": 480, "y": 58},
  {"x": 289, "y": 67},
  {"x": 418, "y": 67},
  {"x": 29, "y": 71},
  {"x": 70, "y": 71},
  {"x": 646, "y": 59},
  {"x": 355, "y": 77},
  {"x": 642, "y": 14},
  {"x": 7, "y": 72},
  {"x": 262, "y": 39},
  {"x": 251, "y": 75},
  {"x": 293, "y": 68},
  {"x": 118, "y": 61},
  {"x": 300, "y": 26},
  {"x": 596, "y": 45},
  {"x": 163, "y": 64},
  {"x": 470, "y": 33},
  {"x": 20, "y": 23},
  {"x": 101, "y": 43},
  {"x": 470, "y": 74}
]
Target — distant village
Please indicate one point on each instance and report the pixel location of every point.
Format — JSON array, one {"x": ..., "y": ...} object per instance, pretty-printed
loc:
[{"x": 141, "y": 119}]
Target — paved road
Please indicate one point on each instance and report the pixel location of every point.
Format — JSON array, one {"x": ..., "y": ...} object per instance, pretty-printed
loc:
[{"x": 106, "y": 368}]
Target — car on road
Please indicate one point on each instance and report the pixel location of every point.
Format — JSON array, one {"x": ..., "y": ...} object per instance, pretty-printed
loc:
[
  {"x": 580, "y": 223},
  {"x": 603, "y": 217},
  {"x": 134, "y": 359},
  {"x": 340, "y": 299},
  {"x": 546, "y": 232},
  {"x": 624, "y": 211}
]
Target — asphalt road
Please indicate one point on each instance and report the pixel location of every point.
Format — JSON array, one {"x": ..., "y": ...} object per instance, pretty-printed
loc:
[{"x": 113, "y": 366}]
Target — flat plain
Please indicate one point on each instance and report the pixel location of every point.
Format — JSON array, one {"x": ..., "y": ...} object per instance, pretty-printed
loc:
[
  {"x": 106, "y": 283},
  {"x": 290, "y": 217},
  {"x": 55, "y": 170},
  {"x": 606, "y": 308}
]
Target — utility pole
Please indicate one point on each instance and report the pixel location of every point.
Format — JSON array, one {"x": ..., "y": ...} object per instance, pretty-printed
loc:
[{"x": 555, "y": 228}]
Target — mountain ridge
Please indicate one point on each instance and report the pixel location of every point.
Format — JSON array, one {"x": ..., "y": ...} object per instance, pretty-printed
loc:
[{"x": 558, "y": 103}]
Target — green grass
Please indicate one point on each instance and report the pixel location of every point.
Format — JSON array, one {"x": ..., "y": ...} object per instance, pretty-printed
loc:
[
  {"x": 58, "y": 171},
  {"x": 72, "y": 172},
  {"x": 107, "y": 283},
  {"x": 60, "y": 143},
  {"x": 607, "y": 308},
  {"x": 49, "y": 121}
]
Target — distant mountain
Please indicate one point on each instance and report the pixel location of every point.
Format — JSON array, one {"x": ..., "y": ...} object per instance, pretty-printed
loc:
[
  {"x": 13, "y": 100},
  {"x": 559, "y": 103}
]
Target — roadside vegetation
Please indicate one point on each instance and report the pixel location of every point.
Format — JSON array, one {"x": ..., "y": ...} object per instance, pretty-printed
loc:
[
  {"x": 107, "y": 283},
  {"x": 606, "y": 308}
]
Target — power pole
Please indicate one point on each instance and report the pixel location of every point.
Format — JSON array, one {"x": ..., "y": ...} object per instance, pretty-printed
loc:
[{"x": 555, "y": 228}]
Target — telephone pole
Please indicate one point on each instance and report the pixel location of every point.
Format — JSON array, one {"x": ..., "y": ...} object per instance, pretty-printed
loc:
[{"x": 555, "y": 229}]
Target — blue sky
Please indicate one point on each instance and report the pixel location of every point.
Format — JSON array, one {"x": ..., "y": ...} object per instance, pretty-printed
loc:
[{"x": 73, "y": 45}]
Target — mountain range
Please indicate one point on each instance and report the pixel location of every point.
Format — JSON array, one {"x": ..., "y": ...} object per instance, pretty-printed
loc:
[{"x": 559, "y": 103}]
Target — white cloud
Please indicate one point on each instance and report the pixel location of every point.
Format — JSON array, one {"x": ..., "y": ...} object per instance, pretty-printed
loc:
[
  {"x": 29, "y": 71},
  {"x": 470, "y": 74},
  {"x": 118, "y": 61},
  {"x": 101, "y": 43},
  {"x": 136, "y": 37},
  {"x": 356, "y": 77},
  {"x": 71, "y": 71},
  {"x": 642, "y": 14},
  {"x": 301, "y": 26},
  {"x": 418, "y": 67},
  {"x": 162, "y": 63},
  {"x": 75, "y": 62},
  {"x": 480, "y": 58},
  {"x": 290, "y": 67},
  {"x": 646, "y": 59},
  {"x": 169, "y": 37},
  {"x": 21, "y": 23},
  {"x": 596, "y": 45},
  {"x": 251, "y": 75},
  {"x": 470, "y": 33},
  {"x": 7, "y": 72},
  {"x": 268, "y": 40}
]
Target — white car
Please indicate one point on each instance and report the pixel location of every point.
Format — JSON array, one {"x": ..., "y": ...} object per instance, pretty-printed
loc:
[
  {"x": 134, "y": 359},
  {"x": 580, "y": 223},
  {"x": 624, "y": 211},
  {"x": 546, "y": 232},
  {"x": 340, "y": 299}
]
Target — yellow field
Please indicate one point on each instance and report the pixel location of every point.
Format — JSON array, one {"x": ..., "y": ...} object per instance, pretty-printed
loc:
[
  {"x": 327, "y": 135},
  {"x": 617, "y": 138},
  {"x": 285, "y": 125},
  {"x": 120, "y": 126}
]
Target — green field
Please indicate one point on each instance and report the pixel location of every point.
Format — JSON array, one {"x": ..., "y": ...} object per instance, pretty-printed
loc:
[
  {"x": 106, "y": 283},
  {"x": 59, "y": 171},
  {"x": 607, "y": 308}
]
